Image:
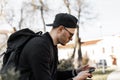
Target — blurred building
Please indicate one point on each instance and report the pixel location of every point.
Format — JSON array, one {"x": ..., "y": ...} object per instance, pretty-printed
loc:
[{"x": 107, "y": 48}]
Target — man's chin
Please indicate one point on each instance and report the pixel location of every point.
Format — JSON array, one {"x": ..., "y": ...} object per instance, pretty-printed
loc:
[{"x": 63, "y": 44}]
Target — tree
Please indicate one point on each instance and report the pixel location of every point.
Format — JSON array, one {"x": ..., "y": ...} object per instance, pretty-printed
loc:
[
  {"x": 83, "y": 10},
  {"x": 77, "y": 48},
  {"x": 67, "y": 4},
  {"x": 42, "y": 7}
]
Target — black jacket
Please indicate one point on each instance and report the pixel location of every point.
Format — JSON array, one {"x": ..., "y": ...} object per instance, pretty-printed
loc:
[{"x": 39, "y": 59}]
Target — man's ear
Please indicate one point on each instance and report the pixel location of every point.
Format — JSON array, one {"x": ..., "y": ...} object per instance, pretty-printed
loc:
[{"x": 60, "y": 28}]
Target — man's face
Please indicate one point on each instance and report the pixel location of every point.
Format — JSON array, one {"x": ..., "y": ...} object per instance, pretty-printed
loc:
[{"x": 66, "y": 35}]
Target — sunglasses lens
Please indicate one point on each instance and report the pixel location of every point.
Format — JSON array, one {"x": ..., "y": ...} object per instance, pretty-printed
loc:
[{"x": 71, "y": 34}]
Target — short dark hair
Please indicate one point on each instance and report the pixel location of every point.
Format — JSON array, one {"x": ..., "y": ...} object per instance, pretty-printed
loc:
[{"x": 64, "y": 19}]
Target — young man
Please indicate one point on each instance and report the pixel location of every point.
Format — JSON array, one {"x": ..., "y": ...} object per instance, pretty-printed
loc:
[{"x": 39, "y": 58}]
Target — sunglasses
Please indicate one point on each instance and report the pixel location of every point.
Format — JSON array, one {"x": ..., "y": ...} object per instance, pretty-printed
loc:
[{"x": 71, "y": 34}]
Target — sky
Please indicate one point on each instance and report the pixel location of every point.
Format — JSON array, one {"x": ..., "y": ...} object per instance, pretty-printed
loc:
[
  {"x": 108, "y": 20},
  {"x": 110, "y": 16},
  {"x": 107, "y": 23}
]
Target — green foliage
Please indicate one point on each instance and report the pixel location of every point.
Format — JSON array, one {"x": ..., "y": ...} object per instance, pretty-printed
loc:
[
  {"x": 85, "y": 59},
  {"x": 65, "y": 64},
  {"x": 11, "y": 74}
]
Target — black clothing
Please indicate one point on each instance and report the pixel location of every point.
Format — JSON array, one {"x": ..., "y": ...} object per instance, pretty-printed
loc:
[{"x": 39, "y": 60}]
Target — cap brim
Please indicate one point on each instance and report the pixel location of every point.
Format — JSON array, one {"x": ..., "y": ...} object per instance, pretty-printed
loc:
[{"x": 49, "y": 24}]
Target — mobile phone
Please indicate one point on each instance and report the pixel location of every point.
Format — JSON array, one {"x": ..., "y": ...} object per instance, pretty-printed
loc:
[{"x": 91, "y": 70}]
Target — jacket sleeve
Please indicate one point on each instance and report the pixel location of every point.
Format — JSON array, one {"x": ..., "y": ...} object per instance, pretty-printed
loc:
[{"x": 64, "y": 75}]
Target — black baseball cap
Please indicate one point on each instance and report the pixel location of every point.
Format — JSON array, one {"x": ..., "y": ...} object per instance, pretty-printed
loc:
[{"x": 64, "y": 19}]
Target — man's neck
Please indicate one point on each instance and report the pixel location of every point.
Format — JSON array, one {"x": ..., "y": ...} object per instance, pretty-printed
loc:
[{"x": 54, "y": 37}]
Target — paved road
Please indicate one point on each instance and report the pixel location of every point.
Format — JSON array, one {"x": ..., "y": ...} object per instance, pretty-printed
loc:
[{"x": 114, "y": 75}]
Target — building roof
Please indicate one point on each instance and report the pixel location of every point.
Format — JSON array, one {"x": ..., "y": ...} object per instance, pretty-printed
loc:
[
  {"x": 92, "y": 42},
  {"x": 86, "y": 43}
]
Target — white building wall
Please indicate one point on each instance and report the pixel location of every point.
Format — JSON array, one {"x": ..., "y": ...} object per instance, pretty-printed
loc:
[{"x": 95, "y": 51}]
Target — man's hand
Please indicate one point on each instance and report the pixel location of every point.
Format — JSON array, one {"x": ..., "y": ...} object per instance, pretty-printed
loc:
[
  {"x": 84, "y": 68},
  {"x": 82, "y": 75}
]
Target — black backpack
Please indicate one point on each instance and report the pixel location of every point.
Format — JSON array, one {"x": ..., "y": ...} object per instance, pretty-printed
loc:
[{"x": 15, "y": 44}]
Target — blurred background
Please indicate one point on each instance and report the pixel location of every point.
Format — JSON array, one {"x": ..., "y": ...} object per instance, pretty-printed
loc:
[{"x": 96, "y": 42}]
